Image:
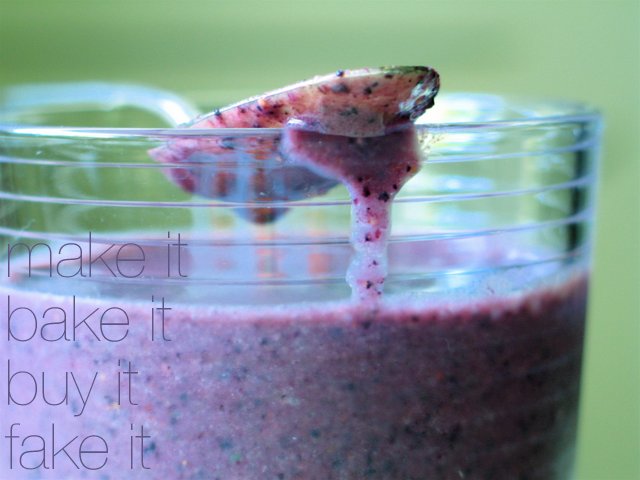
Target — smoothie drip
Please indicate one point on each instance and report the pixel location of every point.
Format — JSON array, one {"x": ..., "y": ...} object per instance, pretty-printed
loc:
[
  {"x": 373, "y": 169},
  {"x": 352, "y": 126}
]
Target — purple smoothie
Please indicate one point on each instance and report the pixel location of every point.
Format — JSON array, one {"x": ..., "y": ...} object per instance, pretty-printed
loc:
[
  {"x": 476, "y": 386},
  {"x": 482, "y": 385},
  {"x": 484, "y": 389},
  {"x": 373, "y": 169}
]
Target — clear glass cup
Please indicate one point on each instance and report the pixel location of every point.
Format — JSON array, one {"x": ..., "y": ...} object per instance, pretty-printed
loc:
[{"x": 260, "y": 366}]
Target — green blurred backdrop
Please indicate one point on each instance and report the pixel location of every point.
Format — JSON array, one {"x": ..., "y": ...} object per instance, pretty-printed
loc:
[{"x": 583, "y": 50}]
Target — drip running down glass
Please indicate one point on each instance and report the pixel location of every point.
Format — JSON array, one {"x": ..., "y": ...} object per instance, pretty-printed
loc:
[{"x": 468, "y": 367}]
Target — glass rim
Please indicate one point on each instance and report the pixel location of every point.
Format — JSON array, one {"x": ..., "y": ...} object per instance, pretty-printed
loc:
[{"x": 566, "y": 111}]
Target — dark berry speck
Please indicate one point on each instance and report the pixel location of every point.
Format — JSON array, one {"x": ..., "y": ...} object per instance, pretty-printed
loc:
[
  {"x": 225, "y": 443},
  {"x": 340, "y": 88},
  {"x": 349, "y": 111},
  {"x": 150, "y": 448}
]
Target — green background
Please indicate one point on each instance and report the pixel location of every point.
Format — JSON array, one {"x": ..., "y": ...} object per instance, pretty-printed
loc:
[{"x": 583, "y": 50}]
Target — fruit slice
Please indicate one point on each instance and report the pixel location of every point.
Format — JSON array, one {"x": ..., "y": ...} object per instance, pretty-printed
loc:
[
  {"x": 366, "y": 102},
  {"x": 355, "y": 103}
]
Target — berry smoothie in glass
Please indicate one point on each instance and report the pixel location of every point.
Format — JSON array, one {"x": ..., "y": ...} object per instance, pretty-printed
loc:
[{"x": 335, "y": 280}]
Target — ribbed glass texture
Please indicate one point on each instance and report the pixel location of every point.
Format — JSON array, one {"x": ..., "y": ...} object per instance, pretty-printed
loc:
[
  {"x": 509, "y": 176},
  {"x": 468, "y": 368}
]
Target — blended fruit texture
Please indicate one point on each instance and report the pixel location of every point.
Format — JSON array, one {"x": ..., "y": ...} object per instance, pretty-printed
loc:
[
  {"x": 377, "y": 387},
  {"x": 476, "y": 390}
]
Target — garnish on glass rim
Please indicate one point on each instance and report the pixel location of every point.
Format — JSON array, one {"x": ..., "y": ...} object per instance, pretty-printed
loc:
[{"x": 364, "y": 102}]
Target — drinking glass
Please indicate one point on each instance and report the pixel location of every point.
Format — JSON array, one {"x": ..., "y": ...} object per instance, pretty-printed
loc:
[{"x": 166, "y": 335}]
